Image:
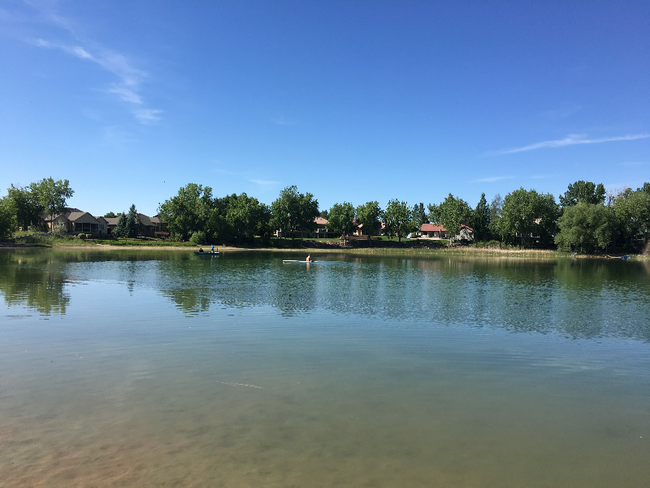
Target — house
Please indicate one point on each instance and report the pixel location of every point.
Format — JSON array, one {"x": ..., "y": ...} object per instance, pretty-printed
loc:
[
  {"x": 432, "y": 231},
  {"x": 359, "y": 229},
  {"x": 77, "y": 221},
  {"x": 147, "y": 226},
  {"x": 321, "y": 231}
]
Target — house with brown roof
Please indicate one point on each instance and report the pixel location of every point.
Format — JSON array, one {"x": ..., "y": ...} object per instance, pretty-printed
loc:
[
  {"x": 433, "y": 231},
  {"x": 321, "y": 231},
  {"x": 77, "y": 221},
  {"x": 147, "y": 226},
  {"x": 358, "y": 231}
]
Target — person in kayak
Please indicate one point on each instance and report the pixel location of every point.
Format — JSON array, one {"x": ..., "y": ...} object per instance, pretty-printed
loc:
[{"x": 308, "y": 258}]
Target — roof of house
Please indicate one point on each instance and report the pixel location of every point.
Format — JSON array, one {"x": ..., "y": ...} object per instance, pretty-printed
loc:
[
  {"x": 432, "y": 228},
  {"x": 320, "y": 221},
  {"x": 440, "y": 228}
]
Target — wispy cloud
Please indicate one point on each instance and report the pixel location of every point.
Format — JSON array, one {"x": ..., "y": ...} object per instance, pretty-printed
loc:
[
  {"x": 147, "y": 115},
  {"x": 492, "y": 179},
  {"x": 561, "y": 112},
  {"x": 127, "y": 87},
  {"x": 570, "y": 140},
  {"x": 265, "y": 183}
]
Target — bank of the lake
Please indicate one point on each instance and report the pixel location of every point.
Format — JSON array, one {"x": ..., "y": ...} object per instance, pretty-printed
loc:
[{"x": 362, "y": 251}]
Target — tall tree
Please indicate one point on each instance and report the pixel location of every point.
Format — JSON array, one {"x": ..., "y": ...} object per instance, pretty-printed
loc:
[
  {"x": 293, "y": 211},
  {"x": 451, "y": 214},
  {"x": 132, "y": 223},
  {"x": 8, "y": 220},
  {"x": 585, "y": 227},
  {"x": 242, "y": 217},
  {"x": 481, "y": 219},
  {"x": 341, "y": 219},
  {"x": 397, "y": 218},
  {"x": 527, "y": 214},
  {"x": 496, "y": 207},
  {"x": 632, "y": 210},
  {"x": 189, "y": 211},
  {"x": 121, "y": 228},
  {"x": 369, "y": 217},
  {"x": 583, "y": 191},
  {"x": 418, "y": 216},
  {"x": 52, "y": 195},
  {"x": 29, "y": 211}
]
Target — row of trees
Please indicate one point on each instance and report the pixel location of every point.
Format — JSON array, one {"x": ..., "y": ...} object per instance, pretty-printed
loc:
[
  {"x": 195, "y": 215},
  {"x": 26, "y": 206},
  {"x": 586, "y": 219}
]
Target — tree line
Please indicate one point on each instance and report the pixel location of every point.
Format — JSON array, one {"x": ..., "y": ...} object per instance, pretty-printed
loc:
[{"x": 585, "y": 219}]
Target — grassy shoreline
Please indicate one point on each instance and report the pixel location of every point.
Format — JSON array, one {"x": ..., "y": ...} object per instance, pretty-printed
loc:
[{"x": 363, "y": 251}]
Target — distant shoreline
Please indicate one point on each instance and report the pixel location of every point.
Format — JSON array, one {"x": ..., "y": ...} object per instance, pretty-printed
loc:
[{"x": 366, "y": 251}]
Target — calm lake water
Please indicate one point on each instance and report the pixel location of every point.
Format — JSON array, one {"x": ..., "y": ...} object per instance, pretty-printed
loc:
[{"x": 165, "y": 369}]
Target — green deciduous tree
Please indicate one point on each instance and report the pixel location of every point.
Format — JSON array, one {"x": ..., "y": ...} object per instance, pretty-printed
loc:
[
  {"x": 341, "y": 219},
  {"x": 294, "y": 212},
  {"x": 241, "y": 218},
  {"x": 28, "y": 210},
  {"x": 397, "y": 218},
  {"x": 632, "y": 211},
  {"x": 527, "y": 214},
  {"x": 189, "y": 211},
  {"x": 451, "y": 214},
  {"x": 8, "y": 221},
  {"x": 369, "y": 216},
  {"x": 52, "y": 195},
  {"x": 585, "y": 227},
  {"x": 496, "y": 207},
  {"x": 583, "y": 191}
]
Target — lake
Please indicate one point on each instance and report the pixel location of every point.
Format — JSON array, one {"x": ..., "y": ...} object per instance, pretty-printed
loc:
[{"x": 161, "y": 368}]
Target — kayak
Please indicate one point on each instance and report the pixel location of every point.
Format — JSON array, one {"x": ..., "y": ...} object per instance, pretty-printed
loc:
[
  {"x": 297, "y": 261},
  {"x": 197, "y": 253}
]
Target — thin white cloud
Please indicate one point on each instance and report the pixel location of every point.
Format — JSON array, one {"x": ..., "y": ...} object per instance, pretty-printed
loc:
[
  {"x": 147, "y": 115},
  {"x": 129, "y": 78},
  {"x": 265, "y": 183},
  {"x": 570, "y": 140},
  {"x": 492, "y": 179},
  {"x": 561, "y": 112}
]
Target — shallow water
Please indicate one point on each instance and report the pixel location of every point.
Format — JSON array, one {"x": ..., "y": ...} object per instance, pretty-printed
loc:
[{"x": 165, "y": 369}]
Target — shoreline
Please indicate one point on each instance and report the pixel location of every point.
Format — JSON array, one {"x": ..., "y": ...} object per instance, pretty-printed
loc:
[{"x": 457, "y": 252}]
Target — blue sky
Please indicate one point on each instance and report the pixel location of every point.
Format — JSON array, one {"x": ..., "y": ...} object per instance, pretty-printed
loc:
[{"x": 349, "y": 100}]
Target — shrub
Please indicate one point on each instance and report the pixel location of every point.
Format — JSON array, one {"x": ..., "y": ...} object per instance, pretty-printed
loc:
[
  {"x": 59, "y": 231},
  {"x": 198, "y": 237}
]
